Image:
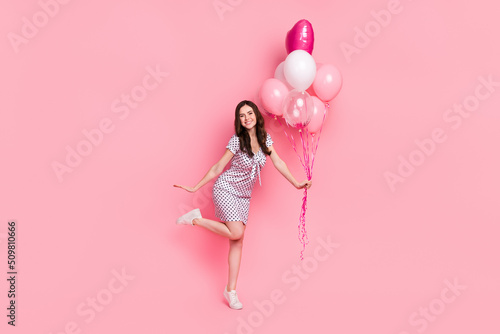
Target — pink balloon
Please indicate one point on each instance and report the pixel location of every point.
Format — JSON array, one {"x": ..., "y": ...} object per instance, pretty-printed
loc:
[
  {"x": 298, "y": 108},
  {"x": 300, "y": 37},
  {"x": 317, "y": 116},
  {"x": 327, "y": 82},
  {"x": 272, "y": 93}
]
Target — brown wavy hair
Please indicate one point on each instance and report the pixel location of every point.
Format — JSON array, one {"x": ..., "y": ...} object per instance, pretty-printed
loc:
[{"x": 242, "y": 132}]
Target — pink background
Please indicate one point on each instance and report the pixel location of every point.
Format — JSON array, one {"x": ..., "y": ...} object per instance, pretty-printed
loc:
[{"x": 116, "y": 210}]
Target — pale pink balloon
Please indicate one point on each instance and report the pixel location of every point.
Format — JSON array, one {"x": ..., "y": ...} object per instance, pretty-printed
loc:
[
  {"x": 300, "y": 37},
  {"x": 318, "y": 115},
  {"x": 280, "y": 74},
  {"x": 327, "y": 82},
  {"x": 271, "y": 94}
]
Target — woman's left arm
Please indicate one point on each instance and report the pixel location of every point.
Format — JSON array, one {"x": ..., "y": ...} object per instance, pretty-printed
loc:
[{"x": 283, "y": 169}]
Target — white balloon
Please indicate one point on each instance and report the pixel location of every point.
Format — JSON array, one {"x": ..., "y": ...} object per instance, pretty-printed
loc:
[{"x": 299, "y": 69}]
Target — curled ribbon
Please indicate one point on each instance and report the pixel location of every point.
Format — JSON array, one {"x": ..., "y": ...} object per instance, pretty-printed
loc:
[{"x": 308, "y": 151}]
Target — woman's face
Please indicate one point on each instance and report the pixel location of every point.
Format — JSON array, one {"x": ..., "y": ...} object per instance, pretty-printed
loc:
[{"x": 247, "y": 117}]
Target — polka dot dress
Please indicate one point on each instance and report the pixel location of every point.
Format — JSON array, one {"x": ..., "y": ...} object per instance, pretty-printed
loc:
[{"x": 233, "y": 188}]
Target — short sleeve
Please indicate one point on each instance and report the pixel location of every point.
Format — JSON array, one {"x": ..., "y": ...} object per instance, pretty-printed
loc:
[
  {"x": 234, "y": 144},
  {"x": 269, "y": 141}
]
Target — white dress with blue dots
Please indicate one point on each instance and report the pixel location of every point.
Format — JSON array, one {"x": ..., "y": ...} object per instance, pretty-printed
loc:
[{"x": 233, "y": 188}]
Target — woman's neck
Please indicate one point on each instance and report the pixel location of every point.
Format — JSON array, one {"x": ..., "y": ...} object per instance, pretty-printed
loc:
[{"x": 252, "y": 133}]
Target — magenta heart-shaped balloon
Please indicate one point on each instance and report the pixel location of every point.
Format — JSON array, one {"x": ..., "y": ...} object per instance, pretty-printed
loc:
[{"x": 300, "y": 37}]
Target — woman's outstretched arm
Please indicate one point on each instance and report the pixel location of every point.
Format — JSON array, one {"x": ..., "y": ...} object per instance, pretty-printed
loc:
[
  {"x": 212, "y": 172},
  {"x": 283, "y": 169}
]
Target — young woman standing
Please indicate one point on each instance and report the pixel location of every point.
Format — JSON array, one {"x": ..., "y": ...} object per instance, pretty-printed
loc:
[{"x": 247, "y": 150}]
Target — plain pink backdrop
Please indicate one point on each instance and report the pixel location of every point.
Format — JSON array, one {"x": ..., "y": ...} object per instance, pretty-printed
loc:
[{"x": 396, "y": 248}]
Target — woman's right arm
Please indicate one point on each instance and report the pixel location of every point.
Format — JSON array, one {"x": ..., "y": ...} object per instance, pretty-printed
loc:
[{"x": 212, "y": 172}]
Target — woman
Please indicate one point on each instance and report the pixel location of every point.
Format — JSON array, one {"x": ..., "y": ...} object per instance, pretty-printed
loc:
[{"x": 247, "y": 150}]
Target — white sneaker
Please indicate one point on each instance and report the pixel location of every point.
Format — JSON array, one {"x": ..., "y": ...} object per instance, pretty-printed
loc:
[
  {"x": 187, "y": 218},
  {"x": 232, "y": 299}
]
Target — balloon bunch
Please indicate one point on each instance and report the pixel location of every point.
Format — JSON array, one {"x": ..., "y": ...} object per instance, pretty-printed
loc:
[{"x": 300, "y": 92}]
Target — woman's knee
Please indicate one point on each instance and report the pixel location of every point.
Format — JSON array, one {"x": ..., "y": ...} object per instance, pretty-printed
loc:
[
  {"x": 237, "y": 231},
  {"x": 237, "y": 235}
]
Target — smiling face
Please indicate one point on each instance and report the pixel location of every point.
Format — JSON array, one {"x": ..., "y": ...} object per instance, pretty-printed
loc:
[{"x": 248, "y": 118}]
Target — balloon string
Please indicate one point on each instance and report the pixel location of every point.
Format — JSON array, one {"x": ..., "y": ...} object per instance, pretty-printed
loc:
[
  {"x": 305, "y": 152},
  {"x": 304, "y": 240},
  {"x": 315, "y": 148},
  {"x": 302, "y": 219},
  {"x": 308, "y": 155},
  {"x": 307, "y": 161},
  {"x": 292, "y": 141},
  {"x": 313, "y": 153}
]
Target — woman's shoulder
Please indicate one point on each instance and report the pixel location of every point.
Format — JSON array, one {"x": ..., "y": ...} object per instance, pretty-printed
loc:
[
  {"x": 269, "y": 140},
  {"x": 235, "y": 138},
  {"x": 234, "y": 144}
]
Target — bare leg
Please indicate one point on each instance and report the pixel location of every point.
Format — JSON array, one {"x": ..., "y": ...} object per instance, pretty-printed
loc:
[
  {"x": 234, "y": 260},
  {"x": 234, "y": 256},
  {"x": 235, "y": 231}
]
